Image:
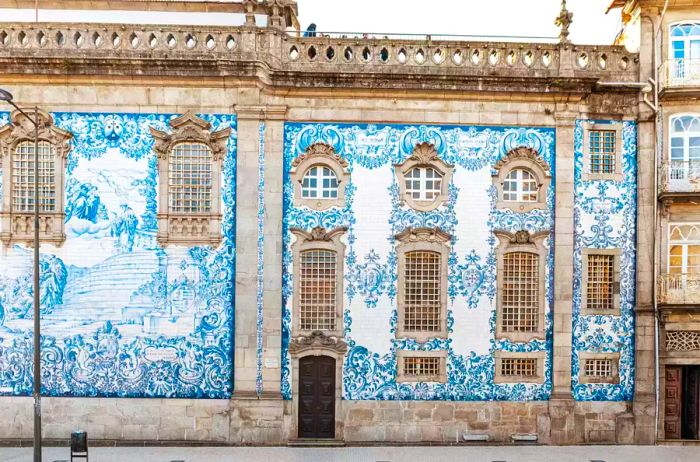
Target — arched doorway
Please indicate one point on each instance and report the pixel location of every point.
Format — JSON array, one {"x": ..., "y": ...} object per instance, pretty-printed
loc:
[{"x": 317, "y": 401}]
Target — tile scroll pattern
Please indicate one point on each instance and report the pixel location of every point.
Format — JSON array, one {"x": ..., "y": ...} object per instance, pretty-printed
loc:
[{"x": 122, "y": 316}]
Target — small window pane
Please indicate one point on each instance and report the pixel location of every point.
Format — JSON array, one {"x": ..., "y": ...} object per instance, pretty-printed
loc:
[
  {"x": 422, "y": 292},
  {"x": 317, "y": 294},
  {"x": 601, "y": 279},
  {"x": 598, "y": 368},
  {"x": 520, "y": 186},
  {"x": 521, "y": 292},
  {"x": 423, "y": 183},
  {"x": 602, "y": 151},
  {"x": 519, "y": 367},
  {"x": 319, "y": 182},
  {"x": 23, "y": 177},
  {"x": 421, "y": 367}
]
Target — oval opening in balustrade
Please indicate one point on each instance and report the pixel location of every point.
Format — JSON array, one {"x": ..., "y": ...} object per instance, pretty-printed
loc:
[
  {"x": 41, "y": 38},
  {"x": 494, "y": 57},
  {"x": 116, "y": 40},
  {"x": 23, "y": 39},
  {"x": 60, "y": 39},
  {"x": 330, "y": 53},
  {"x": 152, "y": 40},
  {"x": 402, "y": 56},
  {"x": 510, "y": 58},
  {"x": 438, "y": 56},
  {"x": 134, "y": 40},
  {"x": 190, "y": 41},
  {"x": 78, "y": 39},
  {"x": 171, "y": 41},
  {"x": 312, "y": 53},
  {"x": 546, "y": 59},
  {"x": 420, "y": 56},
  {"x": 96, "y": 40},
  {"x": 458, "y": 57},
  {"x": 624, "y": 62},
  {"x": 230, "y": 42},
  {"x": 4, "y": 38},
  {"x": 384, "y": 55},
  {"x": 582, "y": 60},
  {"x": 294, "y": 53},
  {"x": 348, "y": 54},
  {"x": 603, "y": 61},
  {"x": 528, "y": 58},
  {"x": 476, "y": 57},
  {"x": 367, "y": 54},
  {"x": 210, "y": 42}
]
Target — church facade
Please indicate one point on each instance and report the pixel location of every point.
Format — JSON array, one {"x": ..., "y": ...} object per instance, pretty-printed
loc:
[{"x": 251, "y": 235}]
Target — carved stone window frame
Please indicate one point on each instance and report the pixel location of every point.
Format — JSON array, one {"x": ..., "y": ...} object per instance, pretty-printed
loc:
[
  {"x": 522, "y": 158},
  {"x": 426, "y": 239},
  {"x": 614, "y": 357},
  {"x": 424, "y": 155},
  {"x": 318, "y": 239},
  {"x": 587, "y": 129},
  {"x": 499, "y": 356},
  {"x": 319, "y": 154},
  {"x": 18, "y": 227},
  {"x": 401, "y": 376},
  {"x": 521, "y": 241},
  {"x": 189, "y": 229},
  {"x": 617, "y": 254}
]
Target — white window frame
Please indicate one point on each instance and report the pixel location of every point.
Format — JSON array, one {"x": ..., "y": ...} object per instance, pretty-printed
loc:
[
  {"x": 616, "y": 175},
  {"x": 320, "y": 177},
  {"x": 684, "y": 244},
  {"x": 689, "y": 168},
  {"x": 679, "y": 67},
  {"x": 319, "y": 155},
  {"x": 424, "y": 155},
  {"x": 527, "y": 159},
  {"x": 520, "y": 182},
  {"x": 422, "y": 183}
]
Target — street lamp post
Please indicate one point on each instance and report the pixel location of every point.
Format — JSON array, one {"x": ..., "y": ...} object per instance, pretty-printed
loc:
[{"x": 36, "y": 392}]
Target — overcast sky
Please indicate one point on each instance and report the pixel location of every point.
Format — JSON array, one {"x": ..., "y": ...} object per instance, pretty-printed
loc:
[{"x": 530, "y": 18}]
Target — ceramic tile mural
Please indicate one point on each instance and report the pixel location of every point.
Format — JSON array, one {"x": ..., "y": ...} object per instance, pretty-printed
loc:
[
  {"x": 374, "y": 215},
  {"x": 121, "y": 316},
  {"x": 605, "y": 217}
]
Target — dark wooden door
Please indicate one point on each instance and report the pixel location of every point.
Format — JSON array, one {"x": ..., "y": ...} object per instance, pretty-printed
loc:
[
  {"x": 317, "y": 397},
  {"x": 673, "y": 406},
  {"x": 691, "y": 402}
]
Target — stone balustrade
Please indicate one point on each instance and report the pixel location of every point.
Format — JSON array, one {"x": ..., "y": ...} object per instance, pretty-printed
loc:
[
  {"x": 678, "y": 289},
  {"x": 680, "y": 73},
  {"x": 319, "y": 55}
]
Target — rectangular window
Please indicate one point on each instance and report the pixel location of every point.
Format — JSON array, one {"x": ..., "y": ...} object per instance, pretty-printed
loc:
[
  {"x": 421, "y": 366},
  {"x": 521, "y": 290},
  {"x": 422, "y": 292},
  {"x": 190, "y": 178},
  {"x": 601, "y": 281},
  {"x": 416, "y": 367},
  {"x": 317, "y": 290},
  {"x": 519, "y": 367},
  {"x": 23, "y": 178},
  {"x": 599, "y": 367},
  {"x": 602, "y": 144}
]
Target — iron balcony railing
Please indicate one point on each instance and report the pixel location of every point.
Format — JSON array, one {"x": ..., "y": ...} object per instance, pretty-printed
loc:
[
  {"x": 680, "y": 176},
  {"x": 681, "y": 73},
  {"x": 679, "y": 289}
]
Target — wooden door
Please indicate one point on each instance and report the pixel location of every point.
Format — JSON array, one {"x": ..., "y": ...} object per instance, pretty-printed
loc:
[
  {"x": 691, "y": 402},
  {"x": 317, "y": 397},
  {"x": 673, "y": 406}
]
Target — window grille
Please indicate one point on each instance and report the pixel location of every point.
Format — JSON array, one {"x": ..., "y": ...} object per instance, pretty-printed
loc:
[
  {"x": 319, "y": 183},
  {"x": 521, "y": 288},
  {"x": 519, "y": 367},
  {"x": 190, "y": 178},
  {"x": 23, "y": 177},
  {"x": 317, "y": 299},
  {"x": 520, "y": 186},
  {"x": 423, "y": 183},
  {"x": 602, "y": 151},
  {"x": 422, "y": 291},
  {"x": 601, "y": 281},
  {"x": 421, "y": 366},
  {"x": 599, "y": 368}
]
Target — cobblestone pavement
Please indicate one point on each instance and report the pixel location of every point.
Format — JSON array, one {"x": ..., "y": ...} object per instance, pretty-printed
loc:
[{"x": 371, "y": 454}]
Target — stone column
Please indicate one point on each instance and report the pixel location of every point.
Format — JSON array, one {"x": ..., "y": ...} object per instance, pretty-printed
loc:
[
  {"x": 245, "y": 346},
  {"x": 272, "y": 255},
  {"x": 561, "y": 403}
]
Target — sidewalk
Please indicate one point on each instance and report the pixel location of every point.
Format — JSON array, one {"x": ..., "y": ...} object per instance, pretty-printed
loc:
[{"x": 371, "y": 454}]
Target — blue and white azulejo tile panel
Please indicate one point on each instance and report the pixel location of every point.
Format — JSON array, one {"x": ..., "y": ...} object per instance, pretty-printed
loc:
[
  {"x": 605, "y": 217},
  {"x": 122, "y": 316},
  {"x": 374, "y": 214}
]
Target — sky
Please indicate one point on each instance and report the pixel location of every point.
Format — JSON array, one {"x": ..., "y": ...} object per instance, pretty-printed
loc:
[{"x": 527, "y": 18}]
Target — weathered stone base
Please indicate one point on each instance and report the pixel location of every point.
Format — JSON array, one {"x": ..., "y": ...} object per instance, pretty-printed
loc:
[{"x": 248, "y": 421}]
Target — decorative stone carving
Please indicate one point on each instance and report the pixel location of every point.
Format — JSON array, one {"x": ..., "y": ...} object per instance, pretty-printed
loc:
[
  {"x": 564, "y": 21},
  {"x": 318, "y": 234},
  {"x": 423, "y": 235},
  {"x": 18, "y": 226},
  {"x": 529, "y": 160},
  {"x": 610, "y": 103},
  {"x": 320, "y": 155},
  {"x": 424, "y": 155},
  {"x": 522, "y": 237},
  {"x": 203, "y": 228},
  {"x": 317, "y": 340},
  {"x": 524, "y": 153},
  {"x": 682, "y": 340}
]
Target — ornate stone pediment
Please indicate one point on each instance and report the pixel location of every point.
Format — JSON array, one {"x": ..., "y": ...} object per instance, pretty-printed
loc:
[
  {"x": 523, "y": 153},
  {"x": 319, "y": 150},
  {"x": 318, "y": 234},
  {"x": 522, "y": 237},
  {"x": 22, "y": 129},
  {"x": 317, "y": 340},
  {"x": 189, "y": 127},
  {"x": 423, "y": 235}
]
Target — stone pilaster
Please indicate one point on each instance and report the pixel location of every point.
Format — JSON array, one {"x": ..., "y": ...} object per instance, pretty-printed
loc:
[{"x": 561, "y": 404}]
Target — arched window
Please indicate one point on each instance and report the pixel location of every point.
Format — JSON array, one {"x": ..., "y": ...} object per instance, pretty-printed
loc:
[
  {"x": 319, "y": 182},
  {"x": 190, "y": 178},
  {"x": 423, "y": 179},
  {"x": 23, "y": 177},
  {"x": 17, "y": 154},
  {"x": 320, "y": 177},
  {"x": 318, "y": 281},
  {"x": 685, "y": 50},
  {"x": 684, "y": 147},
  {"x": 423, "y": 183},
  {"x": 190, "y": 160},
  {"x": 521, "y": 179},
  {"x": 317, "y": 290},
  {"x": 520, "y": 186}
]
